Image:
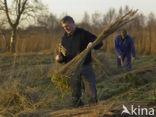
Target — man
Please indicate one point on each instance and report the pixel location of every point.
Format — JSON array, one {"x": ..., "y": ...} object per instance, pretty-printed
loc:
[
  {"x": 74, "y": 41},
  {"x": 124, "y": 47}
]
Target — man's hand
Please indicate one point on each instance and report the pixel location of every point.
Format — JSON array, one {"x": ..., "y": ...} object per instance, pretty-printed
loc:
[
  {"x": 132, "y": 59},
  {"x": 90, "y": 44},
  {"x": 58, "y": 58},
  {"x": 120, "y": 57}
]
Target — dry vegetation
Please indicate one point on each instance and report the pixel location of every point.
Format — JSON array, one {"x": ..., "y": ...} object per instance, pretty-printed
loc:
[
  {"x": 26, "y": 88},
  {"x": 25, "y": 77},
  {"x": 48, "y": 32}
]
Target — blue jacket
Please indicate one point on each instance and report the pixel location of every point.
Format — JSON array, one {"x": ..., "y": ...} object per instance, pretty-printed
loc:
[{"x": 124, "y": 47}]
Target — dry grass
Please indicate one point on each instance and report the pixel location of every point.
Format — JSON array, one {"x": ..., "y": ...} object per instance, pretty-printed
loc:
[
  {"x": 28, "y": 41},
  {"x": 13, "y": 100},
  {"x": 24, "y": 82},
  {"x": 17, "y": 98}
]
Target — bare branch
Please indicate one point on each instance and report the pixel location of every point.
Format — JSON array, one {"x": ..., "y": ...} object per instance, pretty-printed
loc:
[
  {"x": 19, "y": 6},
  {"x": 20, "y": 11},
  {"x": 7, "y": 13}
]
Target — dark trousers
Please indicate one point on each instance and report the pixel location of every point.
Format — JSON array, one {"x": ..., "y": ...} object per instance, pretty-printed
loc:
[
  {"x": 87, "y": 78},
  {"x": 126, "y": 59}
]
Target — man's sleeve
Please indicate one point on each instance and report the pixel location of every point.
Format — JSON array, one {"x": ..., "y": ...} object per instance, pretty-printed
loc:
[
  {"x": 91, "y": 38},
  {"x": 132, "y": 47},
  {"x": 117, "y": 50}
]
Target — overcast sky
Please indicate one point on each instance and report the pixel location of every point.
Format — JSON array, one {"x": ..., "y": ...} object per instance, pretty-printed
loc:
[{"x": 76, "y": 8}]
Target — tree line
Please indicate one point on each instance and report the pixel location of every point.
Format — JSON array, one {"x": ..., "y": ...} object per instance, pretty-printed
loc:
[{"x": 44, "y": 30}]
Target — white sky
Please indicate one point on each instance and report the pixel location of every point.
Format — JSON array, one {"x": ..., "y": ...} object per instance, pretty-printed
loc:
[{"x": 76, "y": 8}]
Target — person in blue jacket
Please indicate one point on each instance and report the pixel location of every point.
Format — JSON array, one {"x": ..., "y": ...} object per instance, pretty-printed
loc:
[{"x": 125, "y": 50}]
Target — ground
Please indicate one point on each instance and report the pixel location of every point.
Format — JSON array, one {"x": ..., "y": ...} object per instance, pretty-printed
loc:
[{"x": 26, "y": 89}]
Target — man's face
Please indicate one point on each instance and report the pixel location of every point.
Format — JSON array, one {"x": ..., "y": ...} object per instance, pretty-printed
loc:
[
  {"x": 68, "y": 27},
  {"x": 123, "y": 34}
]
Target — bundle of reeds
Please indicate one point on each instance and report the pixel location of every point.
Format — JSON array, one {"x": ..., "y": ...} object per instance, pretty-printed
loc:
[{"x": 71, "y": 70}]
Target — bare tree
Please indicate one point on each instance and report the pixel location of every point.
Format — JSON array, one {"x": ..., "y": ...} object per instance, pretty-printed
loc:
[
  {"x": 17, "y": 11},
  {"x": 97, "y": 21},
  {"x": 120, "y": 12},
  {"x": 48, "y": 21},
  {"x": 126, "y": 9},
  {"x": 85, "y": 23},
  {"x": 86, "y": 18},
  {"x": 109, "y": 16}
]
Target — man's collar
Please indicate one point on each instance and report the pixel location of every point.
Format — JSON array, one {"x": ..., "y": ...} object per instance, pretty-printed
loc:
[
  {"x": 124, "y": 38},
  {"x": 72, "y": 33}
]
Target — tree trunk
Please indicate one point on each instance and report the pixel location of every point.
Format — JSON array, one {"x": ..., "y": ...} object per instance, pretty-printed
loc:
[{"x": 13, "y": 40}]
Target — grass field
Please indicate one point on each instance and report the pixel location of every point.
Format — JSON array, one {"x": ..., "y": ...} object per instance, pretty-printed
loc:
[{"x": 26, "y": 89}]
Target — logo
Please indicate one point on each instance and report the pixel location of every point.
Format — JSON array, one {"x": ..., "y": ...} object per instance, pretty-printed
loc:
[
  {"x": 125, "y": 110},
  {"x": 137, "y": 111}
]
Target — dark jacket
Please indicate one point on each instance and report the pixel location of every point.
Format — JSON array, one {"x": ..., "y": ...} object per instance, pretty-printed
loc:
[
  {"x": 76, "y": 43},
  {"x": 124, "y": 47}
]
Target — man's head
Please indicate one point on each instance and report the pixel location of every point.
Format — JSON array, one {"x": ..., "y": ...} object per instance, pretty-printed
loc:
[
  {"x": 68, "y": 24},
  {"x": 123, "y": 33}
]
